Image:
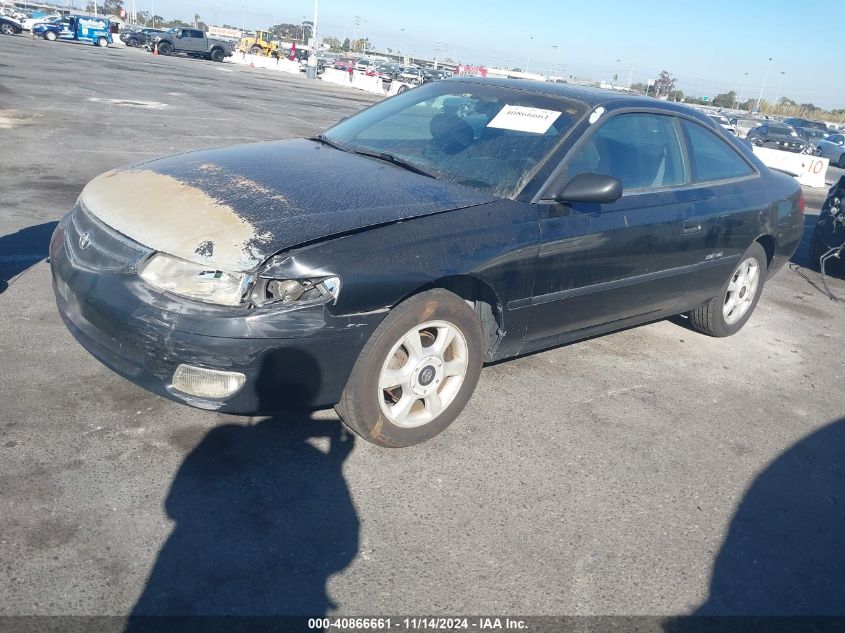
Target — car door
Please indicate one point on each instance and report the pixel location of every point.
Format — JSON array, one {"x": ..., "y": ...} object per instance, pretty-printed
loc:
[
  {"x": 595, "y": 260},
  {"x": 722, "y": 209}
]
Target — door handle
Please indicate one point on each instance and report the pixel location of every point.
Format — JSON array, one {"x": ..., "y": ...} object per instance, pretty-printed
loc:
[{"x": 691, "y": 227}]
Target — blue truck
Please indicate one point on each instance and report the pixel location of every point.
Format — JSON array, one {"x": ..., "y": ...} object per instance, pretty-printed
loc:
[{"x": 76, "y": 27}]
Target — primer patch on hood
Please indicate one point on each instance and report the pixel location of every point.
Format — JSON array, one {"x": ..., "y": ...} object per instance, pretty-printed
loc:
[{"x": 170, "y": 216}]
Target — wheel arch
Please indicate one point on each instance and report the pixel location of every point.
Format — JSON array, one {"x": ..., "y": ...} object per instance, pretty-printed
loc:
[
  {"x": 769, "y": 244},
  {"x": 483, "y": 299}
]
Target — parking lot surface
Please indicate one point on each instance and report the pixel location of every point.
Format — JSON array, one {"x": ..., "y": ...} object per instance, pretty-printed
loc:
[{"x": 651, "y": 471}]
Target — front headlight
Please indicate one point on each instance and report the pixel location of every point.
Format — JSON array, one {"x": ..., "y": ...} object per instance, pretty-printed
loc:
[
  {"x": 296, "y": 292},
  {"x": 194, "y": 280}
]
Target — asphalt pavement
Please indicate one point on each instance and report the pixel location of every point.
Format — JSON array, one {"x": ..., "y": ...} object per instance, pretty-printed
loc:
[{"x": 654, "y": 471}]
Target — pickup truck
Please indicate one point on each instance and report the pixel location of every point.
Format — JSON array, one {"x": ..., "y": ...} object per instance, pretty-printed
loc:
[{"x": 192, "y": 42}]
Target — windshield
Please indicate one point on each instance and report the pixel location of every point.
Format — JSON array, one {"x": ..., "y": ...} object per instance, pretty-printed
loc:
[
  {"x": 485, "y": 137},
  {"x": 782, "y": 130}
]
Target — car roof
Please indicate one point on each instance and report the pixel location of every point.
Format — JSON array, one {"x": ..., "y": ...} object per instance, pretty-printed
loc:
[{"x": 592, "y": 97}]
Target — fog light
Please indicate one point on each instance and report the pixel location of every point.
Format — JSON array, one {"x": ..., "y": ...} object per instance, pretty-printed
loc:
[{"x": 207, "y": 383}]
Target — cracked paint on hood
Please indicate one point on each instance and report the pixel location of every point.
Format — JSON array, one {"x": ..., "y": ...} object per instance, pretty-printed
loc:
[
  {"x": 168, "y": 215},
  {"x": 234, "y": 207}
]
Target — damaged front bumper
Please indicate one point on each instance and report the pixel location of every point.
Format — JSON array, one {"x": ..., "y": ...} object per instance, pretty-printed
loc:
[{"x": 291, "y": 358}]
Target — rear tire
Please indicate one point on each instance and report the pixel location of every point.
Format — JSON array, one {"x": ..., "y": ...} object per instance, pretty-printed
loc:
[
  {"x": 726, "y": 313},
  {"x": 416, "y": 373},
  {"x": 132, "y": 42},
  {"x": 256, "y": 50},
  {"x": 50, "y": 36},
  {"x": 7, "y": 29},
  {"x": 102, "y": 42}
]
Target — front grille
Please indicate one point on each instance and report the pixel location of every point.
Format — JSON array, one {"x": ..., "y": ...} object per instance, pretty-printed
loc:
[{"x": 105, "y": 249}]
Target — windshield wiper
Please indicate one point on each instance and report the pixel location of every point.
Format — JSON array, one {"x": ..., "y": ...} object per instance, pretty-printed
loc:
[
  {"x": 391, "y": 158},
  {"x": 325, "y": 140}
]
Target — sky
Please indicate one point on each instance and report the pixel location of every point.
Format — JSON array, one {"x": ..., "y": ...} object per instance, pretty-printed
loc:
[{"x": 711, "y": 46}]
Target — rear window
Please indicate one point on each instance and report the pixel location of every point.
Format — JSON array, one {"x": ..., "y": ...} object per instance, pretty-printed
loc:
[{"x": 711, "y": 157}]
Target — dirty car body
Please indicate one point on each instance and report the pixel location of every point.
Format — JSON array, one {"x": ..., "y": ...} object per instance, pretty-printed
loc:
[{"x": 315, "y": 241}]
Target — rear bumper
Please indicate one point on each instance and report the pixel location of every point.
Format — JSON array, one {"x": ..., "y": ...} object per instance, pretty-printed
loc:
[{"x": 291, "y": 359}]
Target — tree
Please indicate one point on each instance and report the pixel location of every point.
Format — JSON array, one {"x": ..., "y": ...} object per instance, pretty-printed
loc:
[
  {"x": 112, "y": 7},
  {"x": 284, "y": 31},
  {"x": 639, "y": 87},
  {"x": 787, "y": 102},
  {"x": 676, "y": 95},
  {"x": 360, "y": 44},
  {"x": 725, "y": 99},
  {"x": 748, "y": 104},
  {"x": 144, "y": 18},
  {"x": 345, "y": 46},
  {"x": 333, "y": 44},
  {"x": 664, "y": 84},
  {"x": 196, "y": 20}
]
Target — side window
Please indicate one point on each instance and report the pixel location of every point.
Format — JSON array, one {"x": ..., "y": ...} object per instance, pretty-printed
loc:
[
  {"x": 197, "y": 34},
  {"x": 641, "y": 150},
  {"x": 711, "y": 157}
]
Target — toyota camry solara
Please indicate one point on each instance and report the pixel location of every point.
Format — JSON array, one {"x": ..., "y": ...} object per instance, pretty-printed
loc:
[{"x": 377, "y": 267}]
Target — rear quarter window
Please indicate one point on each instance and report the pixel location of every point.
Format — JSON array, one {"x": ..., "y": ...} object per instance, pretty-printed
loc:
[{"x": 712, "y": 158}]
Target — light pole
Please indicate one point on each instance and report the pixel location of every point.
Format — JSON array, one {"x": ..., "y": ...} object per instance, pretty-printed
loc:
[
  {"x": 311, "y": 71},
  {"x": 530, "y": 46},
  {"x": 554, "y": 56},
  {"x": 763, "y": 85},
  {"x": 402, "y": 43}
]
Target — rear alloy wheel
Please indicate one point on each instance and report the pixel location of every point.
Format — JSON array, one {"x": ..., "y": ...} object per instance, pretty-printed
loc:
[
  {"x": 7, "y": 29},
  {"x": 102, "y": 42},
  {"x": 726, "y": 313},
  {"x": 217, "y": 55},
  {"x": 132, "y": 42},
  {"x": 50, "y": 35},
  {"x": 416, "y": 373}
]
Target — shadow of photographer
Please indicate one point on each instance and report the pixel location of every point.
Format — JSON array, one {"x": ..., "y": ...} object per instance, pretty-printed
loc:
[{"x": 263, "y": 516}]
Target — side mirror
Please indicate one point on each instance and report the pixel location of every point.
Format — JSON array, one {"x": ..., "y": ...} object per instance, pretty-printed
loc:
[
  {"x": 590, "y": 187},
  {"x": 179, "y": 34}
]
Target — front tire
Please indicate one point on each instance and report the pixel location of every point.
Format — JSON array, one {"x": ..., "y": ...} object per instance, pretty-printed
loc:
[
  {"x": 217, "y": 55},
  {"x": 726, "y": 313},
  {"x": 416, "y": 373},
  {"x": 7, "y": 29},
  {"x": 102, "y": 42},
  {"x": 841, "y": 164},
  {"x": 165, "y": 48},
  {"x": 50, "y": 36}
]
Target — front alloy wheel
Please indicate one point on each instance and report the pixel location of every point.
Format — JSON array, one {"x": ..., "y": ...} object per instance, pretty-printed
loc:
[
  {"x": 50, "y": 35},
  {"x": 416, "y": 372},
  {"x": 423, "y": 374}
]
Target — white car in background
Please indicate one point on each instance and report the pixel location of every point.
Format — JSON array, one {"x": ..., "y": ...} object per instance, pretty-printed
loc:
[
  {"x": 28, "y": 23},
  {"x": 723, "y": 121}
]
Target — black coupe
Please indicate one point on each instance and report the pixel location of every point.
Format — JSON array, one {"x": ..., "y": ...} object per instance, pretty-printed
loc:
[{"x": 379, "y": 265}]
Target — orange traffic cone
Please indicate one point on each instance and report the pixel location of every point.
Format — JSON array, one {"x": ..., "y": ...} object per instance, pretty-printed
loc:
[{"x": 155, "y": 48}]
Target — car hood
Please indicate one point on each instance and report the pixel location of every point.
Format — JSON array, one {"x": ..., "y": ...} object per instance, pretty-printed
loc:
[{"x": 232, "y": 208}]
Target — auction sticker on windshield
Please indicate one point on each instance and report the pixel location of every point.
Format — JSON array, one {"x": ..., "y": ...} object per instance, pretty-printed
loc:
[{"x": 522, "y": 119}]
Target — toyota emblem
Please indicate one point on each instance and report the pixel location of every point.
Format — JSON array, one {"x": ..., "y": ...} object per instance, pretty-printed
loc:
[{"x": 84, "y": 240}]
